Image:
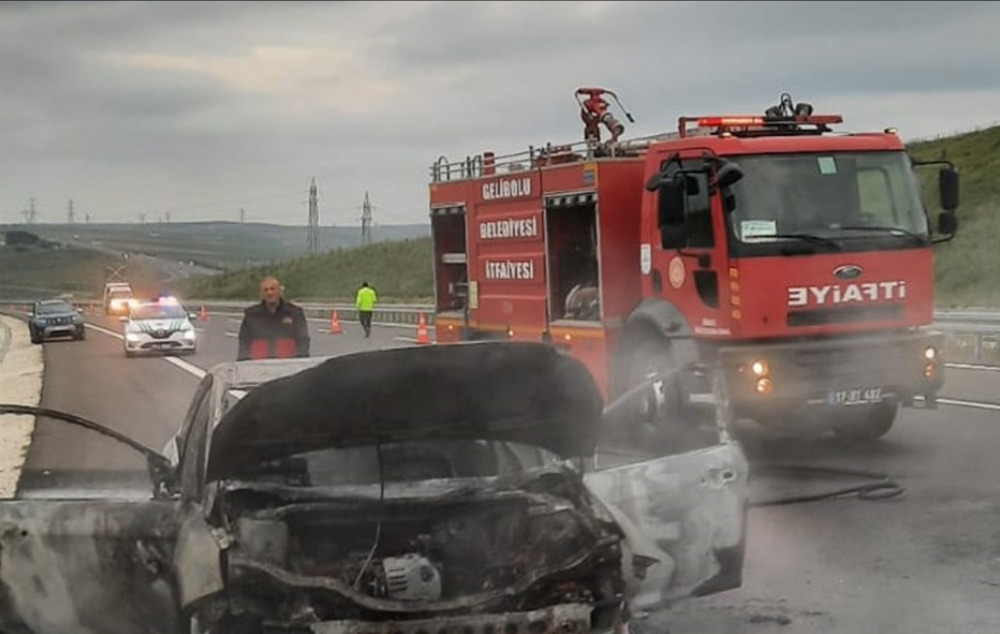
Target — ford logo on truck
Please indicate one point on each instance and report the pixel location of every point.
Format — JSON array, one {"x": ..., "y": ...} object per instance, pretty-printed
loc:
[{"x": 847, "y": 272}]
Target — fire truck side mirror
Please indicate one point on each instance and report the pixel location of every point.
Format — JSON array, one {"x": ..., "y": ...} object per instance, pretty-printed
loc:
[
  {"x": 947, "y": 223},
  {"x": 728, "y": 175},
  {"x": 948, "y": 188},
  {"x": 671, "y": 198}
]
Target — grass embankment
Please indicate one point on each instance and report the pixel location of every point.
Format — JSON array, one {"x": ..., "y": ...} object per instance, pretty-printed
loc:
[
  {"x": 401, "y": 272},
  {"x": 967, "y": 269}
]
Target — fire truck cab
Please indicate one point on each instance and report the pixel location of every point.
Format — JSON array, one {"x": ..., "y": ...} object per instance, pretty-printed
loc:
[{"x": 792, "y": 263}]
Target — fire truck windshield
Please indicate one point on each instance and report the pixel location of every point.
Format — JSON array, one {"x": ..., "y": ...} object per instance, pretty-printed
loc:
[{"x": 854, "y": 199}]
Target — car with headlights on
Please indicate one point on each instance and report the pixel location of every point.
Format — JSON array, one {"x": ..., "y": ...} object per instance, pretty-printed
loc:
[
  {"x": 55, "y": 318},
  {"x": 158, "y": 326}
]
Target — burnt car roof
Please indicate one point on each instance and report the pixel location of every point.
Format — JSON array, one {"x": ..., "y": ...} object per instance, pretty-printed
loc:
[{"x": 521, "y": 392}]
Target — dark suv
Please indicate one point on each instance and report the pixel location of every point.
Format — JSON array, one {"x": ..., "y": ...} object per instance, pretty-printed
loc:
[{"x": 54, "y": 318}]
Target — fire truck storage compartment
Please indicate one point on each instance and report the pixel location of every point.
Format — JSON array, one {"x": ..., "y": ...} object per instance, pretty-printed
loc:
[
  {"x": 574, "y": 278},
  {"x": 450, "y": 258}
]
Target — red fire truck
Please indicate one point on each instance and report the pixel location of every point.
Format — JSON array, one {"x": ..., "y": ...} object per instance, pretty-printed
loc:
[{"x": 794, "y": 261}]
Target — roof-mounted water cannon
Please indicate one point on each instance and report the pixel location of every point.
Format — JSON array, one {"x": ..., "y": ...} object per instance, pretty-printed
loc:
[
  {"x": 594, "y": 111},
  {"x": 788, "y": 114}
]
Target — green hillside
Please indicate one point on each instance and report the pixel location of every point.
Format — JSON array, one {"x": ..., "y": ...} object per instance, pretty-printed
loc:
[
  {"x": 968, "y": 268},
  {"x": 400, "y": 271},
  {"x": 215, "y": 245}
]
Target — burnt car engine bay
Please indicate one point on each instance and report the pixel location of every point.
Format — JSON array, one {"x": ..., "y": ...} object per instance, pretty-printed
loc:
[{"x": 302, "y": 560}]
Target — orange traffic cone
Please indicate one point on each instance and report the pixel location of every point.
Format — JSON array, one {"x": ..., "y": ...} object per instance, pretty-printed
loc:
[
  {"x": 422, "y": 337},
  {"x": 203, "y": 314},
  {"x": 334, "y": 323}
]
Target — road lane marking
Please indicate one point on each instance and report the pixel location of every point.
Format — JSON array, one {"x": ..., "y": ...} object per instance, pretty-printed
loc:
[
  {"x": 184, "y": 365},
  {"x": 961, "y": 403},
  {"x": 180, "y": 363},
  {"x": 972, "y": 366},
  {"x": 232, "y": 334}
]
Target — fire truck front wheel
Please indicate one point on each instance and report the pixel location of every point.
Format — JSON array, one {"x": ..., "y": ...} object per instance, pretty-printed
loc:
[
  {"x": 869, "y": 422},
  {"x": 660, "y": 417}
]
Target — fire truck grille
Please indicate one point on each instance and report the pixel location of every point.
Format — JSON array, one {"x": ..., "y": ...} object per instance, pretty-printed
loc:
[
  {"x": 845, "y": 315},
  {"x": 875, "y": 359}
]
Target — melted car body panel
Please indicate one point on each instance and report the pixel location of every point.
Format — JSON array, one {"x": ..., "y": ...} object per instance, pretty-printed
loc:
[
  {"x": 86, "y": 567},
  {"x": 688, "y": 513}
]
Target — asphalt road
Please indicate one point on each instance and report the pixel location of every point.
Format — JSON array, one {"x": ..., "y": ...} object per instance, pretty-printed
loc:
[
  {"x": 145, "y": 398},
  {"x": 925, "y": 562}
]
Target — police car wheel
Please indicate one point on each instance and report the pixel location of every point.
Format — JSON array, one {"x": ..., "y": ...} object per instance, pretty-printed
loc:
[{"x": 129, "y": 354}]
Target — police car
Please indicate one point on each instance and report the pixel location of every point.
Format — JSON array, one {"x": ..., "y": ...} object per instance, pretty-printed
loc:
[{"x": 158, "y": 326}]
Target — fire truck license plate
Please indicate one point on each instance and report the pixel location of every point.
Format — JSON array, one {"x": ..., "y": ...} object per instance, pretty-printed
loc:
[{"x": 856, "y": 396}]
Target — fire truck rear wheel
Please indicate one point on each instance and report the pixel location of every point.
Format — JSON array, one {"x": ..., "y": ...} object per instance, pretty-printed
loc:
[{"x": 868, "y": 423}]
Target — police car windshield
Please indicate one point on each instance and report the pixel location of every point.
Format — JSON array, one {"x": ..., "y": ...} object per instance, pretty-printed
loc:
[{"x": 158, "y": 311}]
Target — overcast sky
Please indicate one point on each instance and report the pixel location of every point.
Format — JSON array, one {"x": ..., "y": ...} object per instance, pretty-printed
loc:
[{"x": 199, "y": 109}]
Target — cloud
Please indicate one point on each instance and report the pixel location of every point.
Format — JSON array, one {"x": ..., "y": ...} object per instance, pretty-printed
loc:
[{"x": 132, "y": 107}]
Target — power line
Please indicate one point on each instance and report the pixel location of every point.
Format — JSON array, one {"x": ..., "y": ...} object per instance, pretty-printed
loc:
[
  {"x": 30, "y": 212},
  {"x": 366, "y": 221}
]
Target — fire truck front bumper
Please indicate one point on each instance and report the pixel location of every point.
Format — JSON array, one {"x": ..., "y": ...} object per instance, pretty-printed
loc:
[{"x": 764, "y": 379}]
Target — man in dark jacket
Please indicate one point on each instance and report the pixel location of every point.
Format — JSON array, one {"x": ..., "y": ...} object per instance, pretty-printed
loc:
[{"x": 274, "y": 328}]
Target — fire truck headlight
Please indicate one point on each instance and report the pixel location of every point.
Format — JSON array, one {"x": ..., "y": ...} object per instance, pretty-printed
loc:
[
  {"x": 930, "y": 353},
  {"x": 760, "y": 367},
  {"x": 764, "y": 385}
]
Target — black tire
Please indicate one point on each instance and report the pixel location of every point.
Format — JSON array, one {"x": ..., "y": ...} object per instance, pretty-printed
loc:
[
  {"x": 82, "y": 336},
  {"x": 35, "y": 338},
  {"x": 129, "y": 354},
  {"x": 661, "y": 419},
  {"x": 869, "y": 422}
]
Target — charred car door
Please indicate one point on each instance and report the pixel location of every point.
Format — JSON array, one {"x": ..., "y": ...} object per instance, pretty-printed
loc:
[
  {"x": 684, "y": 517},
  {"x": 89, "y": 566}
]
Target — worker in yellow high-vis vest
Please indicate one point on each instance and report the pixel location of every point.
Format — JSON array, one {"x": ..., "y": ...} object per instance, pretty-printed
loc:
[{"x": 365, "y": 303}]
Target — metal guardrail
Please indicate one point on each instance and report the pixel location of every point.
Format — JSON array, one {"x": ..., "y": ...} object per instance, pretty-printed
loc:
[{"x": 971, "y": 336}]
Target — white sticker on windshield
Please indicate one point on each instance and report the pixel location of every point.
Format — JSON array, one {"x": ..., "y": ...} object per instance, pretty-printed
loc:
[
  {"x": 827, "y": 165},
  {"x": 755, "y": 228}
]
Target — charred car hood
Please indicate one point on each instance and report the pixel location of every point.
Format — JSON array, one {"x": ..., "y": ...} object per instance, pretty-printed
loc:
[{"x": 507, "y": 391}]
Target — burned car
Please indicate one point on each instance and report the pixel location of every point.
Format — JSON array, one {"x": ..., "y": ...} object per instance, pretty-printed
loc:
[{"x": 453, "y": 488}]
